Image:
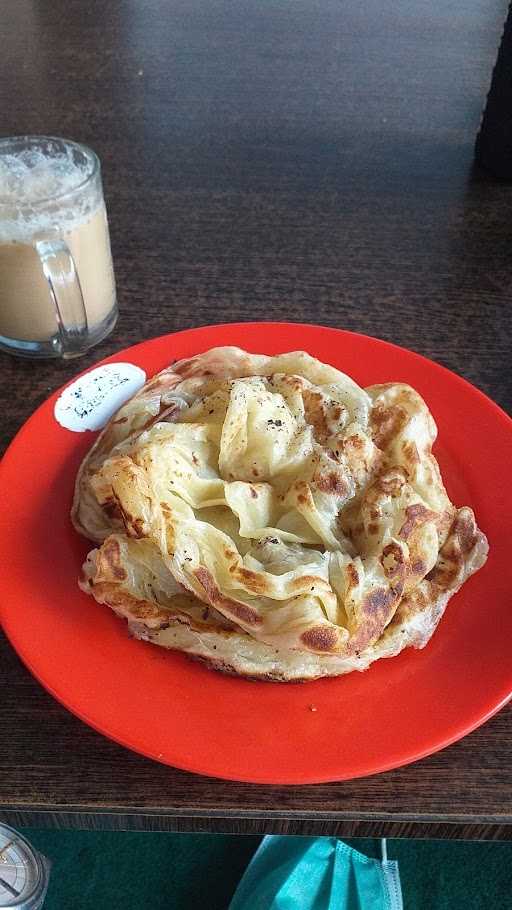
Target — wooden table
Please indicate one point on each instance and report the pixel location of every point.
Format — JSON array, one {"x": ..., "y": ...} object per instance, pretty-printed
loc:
[{"x": 309, "y": 161}]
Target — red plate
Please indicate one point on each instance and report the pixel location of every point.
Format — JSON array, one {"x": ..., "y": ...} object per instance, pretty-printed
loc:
[{"x": 168, "y": 707}]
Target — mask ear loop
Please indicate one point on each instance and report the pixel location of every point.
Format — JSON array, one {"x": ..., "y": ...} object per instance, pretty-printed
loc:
[{"x": 391, "y": 879}]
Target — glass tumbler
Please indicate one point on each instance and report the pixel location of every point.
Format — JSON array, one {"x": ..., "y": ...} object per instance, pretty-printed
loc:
[{"x": 57, "y": 289}]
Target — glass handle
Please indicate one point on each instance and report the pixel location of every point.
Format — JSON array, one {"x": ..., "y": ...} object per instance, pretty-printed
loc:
[{"x": 62, "y": 277}]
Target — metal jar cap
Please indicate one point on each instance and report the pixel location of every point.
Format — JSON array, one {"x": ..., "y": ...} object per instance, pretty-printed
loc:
[{"x": 24, "y": 873}]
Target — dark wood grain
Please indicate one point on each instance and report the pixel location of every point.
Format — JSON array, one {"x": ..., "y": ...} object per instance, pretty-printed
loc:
[{"x": 309, "y": 161}]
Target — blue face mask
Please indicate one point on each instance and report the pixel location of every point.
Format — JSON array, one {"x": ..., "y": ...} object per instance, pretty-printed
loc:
[{"x": 317, "y": 873}]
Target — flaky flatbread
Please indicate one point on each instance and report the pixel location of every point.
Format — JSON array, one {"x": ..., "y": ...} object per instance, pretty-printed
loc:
[{"x": 271, "y": 517}]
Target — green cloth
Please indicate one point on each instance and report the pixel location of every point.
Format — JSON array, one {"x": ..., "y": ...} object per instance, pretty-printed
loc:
[{"x": 99, "y": 870}]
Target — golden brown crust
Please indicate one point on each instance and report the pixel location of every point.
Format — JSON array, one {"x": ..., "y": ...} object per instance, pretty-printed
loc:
[
  {"x": 417, "y": 515},
  {"x": 320, "y": 638},
  {"x": 233, "y": 608}
]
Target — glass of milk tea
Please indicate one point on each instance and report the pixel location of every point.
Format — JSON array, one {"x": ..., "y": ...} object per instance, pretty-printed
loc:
[{"x": 57, "y": 290}]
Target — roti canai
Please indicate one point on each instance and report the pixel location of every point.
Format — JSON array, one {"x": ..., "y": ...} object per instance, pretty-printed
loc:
[{"x": 269, "y": 516}]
